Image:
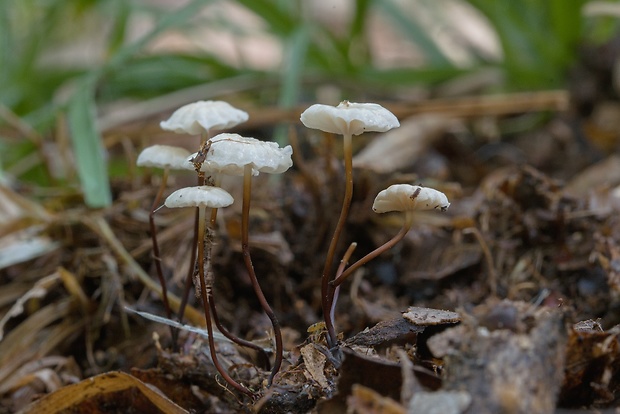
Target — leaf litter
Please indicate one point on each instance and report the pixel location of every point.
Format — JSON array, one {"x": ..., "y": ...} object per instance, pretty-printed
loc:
[{"x": 513, "y": 291}]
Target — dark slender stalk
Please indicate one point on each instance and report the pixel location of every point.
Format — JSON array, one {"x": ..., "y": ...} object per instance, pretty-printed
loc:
[
  {"x": 205, "y": 300},
  {"x": 190, "y": 271},
  {"x": 245, "y": 249},
  {"x": 332, "y": 339},
  {"x": 232, "y": 337},
  {"x": 334, "y": 292},
  {"x": 381, "y": 249},
  {"x": 156, "y": 255}
]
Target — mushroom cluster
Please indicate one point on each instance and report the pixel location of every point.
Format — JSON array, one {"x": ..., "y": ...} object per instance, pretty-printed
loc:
[
  {"x": 236, "y": 155},
  {"x": 228, "y": 154}
]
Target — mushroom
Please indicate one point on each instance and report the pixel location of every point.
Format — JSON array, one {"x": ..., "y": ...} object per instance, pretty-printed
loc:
[
  {"x": 347, "y": 119},
  {"x": 203, "y": 116},
  {"x": 195, "y": 118},
  {"x": 404, "y": 198},
  {"x": 202, "y": 197},
  {"x": 166, "y": 157},
  {"x": 233, "y": 154}
]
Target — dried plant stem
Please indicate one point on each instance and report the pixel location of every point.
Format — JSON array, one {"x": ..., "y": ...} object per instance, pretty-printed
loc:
[
  {"x": 205, "y": 301},
  {"x": 325, "y": 277},
  {"x": 245, "y": 248},
  {"x": 379, "y": 250}
]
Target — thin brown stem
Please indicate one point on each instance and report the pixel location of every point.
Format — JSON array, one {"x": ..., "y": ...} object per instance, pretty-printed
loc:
[
  {"x": 205, "y": 300},
  {"x": 336, "y": 291},
  {"x": 156, "y": 255},
  {"x": 325, "y": 277},
  {"x": 381, "y": 249},
  {"x": 245, "y": 249}
]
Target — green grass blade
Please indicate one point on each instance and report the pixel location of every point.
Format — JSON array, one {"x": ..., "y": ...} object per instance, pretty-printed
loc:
[
  {"x": 87, "y": 147},
  {"x": 415, "y": 33}
]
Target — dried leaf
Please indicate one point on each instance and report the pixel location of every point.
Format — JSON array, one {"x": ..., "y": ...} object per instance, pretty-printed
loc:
[
  {"x": 429, "y": 317},
  {"x": 104, "y": 389},
  {"x": 314, "y": 361}
]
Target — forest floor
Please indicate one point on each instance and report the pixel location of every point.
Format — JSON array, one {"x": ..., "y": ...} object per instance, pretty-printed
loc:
[{"x": 507, "y": 302}]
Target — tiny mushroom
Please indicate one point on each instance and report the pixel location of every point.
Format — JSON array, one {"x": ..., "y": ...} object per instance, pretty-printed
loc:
[
  {"x": 166, "y": 157},
  {"x": 403, "y": 198},
  {"x": 348, "y": 119},
  {"x": 406, "y": 197},
  {"x": 203, "y": 197},
  {"x": 230, "y": 154},
  {"x": 163, "y": 156},
  {"x": 233, "y": 154},
  {"x": 204, "y": 116}
]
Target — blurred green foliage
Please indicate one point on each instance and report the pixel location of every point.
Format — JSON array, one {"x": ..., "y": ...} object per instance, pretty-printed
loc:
[{"x": 539, "y": 42}]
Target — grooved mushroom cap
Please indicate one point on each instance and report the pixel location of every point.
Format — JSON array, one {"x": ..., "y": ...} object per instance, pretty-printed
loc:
[
  {"x": 163, "y": 156},
  {"x": 198, "y": 117},
  {"x": 405, "y": 197},
  {"x": 349, "y": 118},
  {"x": 230, "y": 153},
  {"x": 205, "y": 196}
]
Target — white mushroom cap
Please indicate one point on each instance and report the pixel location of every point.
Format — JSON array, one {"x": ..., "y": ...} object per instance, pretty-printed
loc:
[
  {"x": 405, "y": 197},
  {"x": 163, "y": 156},
  {"x": 205, "y": 196},
  {"x": 230, "y": 153},
  {"x": 198, "y": 117},
  {"x": 349, "y": 118}
]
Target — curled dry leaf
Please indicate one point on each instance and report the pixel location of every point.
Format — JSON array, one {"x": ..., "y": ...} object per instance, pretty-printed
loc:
[
  {"x": 113, "y": 389},
  {"x": 399, "y": 148}
]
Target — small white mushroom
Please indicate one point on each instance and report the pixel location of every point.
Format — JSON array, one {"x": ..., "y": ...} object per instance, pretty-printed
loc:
[
  {"x": 163, "y": 156},
  {"x": 230, "y": 154},
  {"x": 405, "y": 197},
  {"x": 349, "y": 118},
  {"x": 201, "y": 196},
  {"x": 204, "y": 116}
]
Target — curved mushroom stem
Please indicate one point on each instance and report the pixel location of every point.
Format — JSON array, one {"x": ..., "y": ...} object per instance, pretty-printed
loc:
[
  {"x": 325, "y": 277},
  {"x": 156, "y": 256},
  {"x": 334, "y": 292},
  {"x": 205, "y": 300},
  {"x": 381, "y": 249},
  {"x": 245, "y": 248},
  {"x": 262, "y": 353},
  {"x": 192, "y": 261}
]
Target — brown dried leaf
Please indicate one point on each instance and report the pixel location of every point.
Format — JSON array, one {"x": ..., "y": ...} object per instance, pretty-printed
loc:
[
  {"x": 314, "y": 362},
  {"x": 399, "y": 148},
  {"x": 364, "y": 400},
  {"x": 105, "y": 390}
]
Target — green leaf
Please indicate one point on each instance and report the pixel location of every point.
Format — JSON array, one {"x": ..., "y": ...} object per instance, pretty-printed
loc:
[{"x": 87, "y": 146}]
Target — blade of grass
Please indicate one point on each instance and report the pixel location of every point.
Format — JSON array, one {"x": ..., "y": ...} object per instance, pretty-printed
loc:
[
  {"x": 294, "y": 63},
  {"x": 415, "y": 33},
  {"x": 87, "y": 146}
]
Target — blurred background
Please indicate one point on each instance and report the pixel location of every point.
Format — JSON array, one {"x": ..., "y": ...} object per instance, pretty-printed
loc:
[{"x": 73, "y": 74}]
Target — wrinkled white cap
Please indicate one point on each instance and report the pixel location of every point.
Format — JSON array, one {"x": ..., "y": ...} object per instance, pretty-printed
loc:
[
  {"x": 163, "y": 156},
  {"x": 198, "y": 117},
  {"x": 205, "y": 196},
  {"x": 349, "y": 118},
  {"x": 230, "y": 153},
  {"x": 405, "y": 197}
]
